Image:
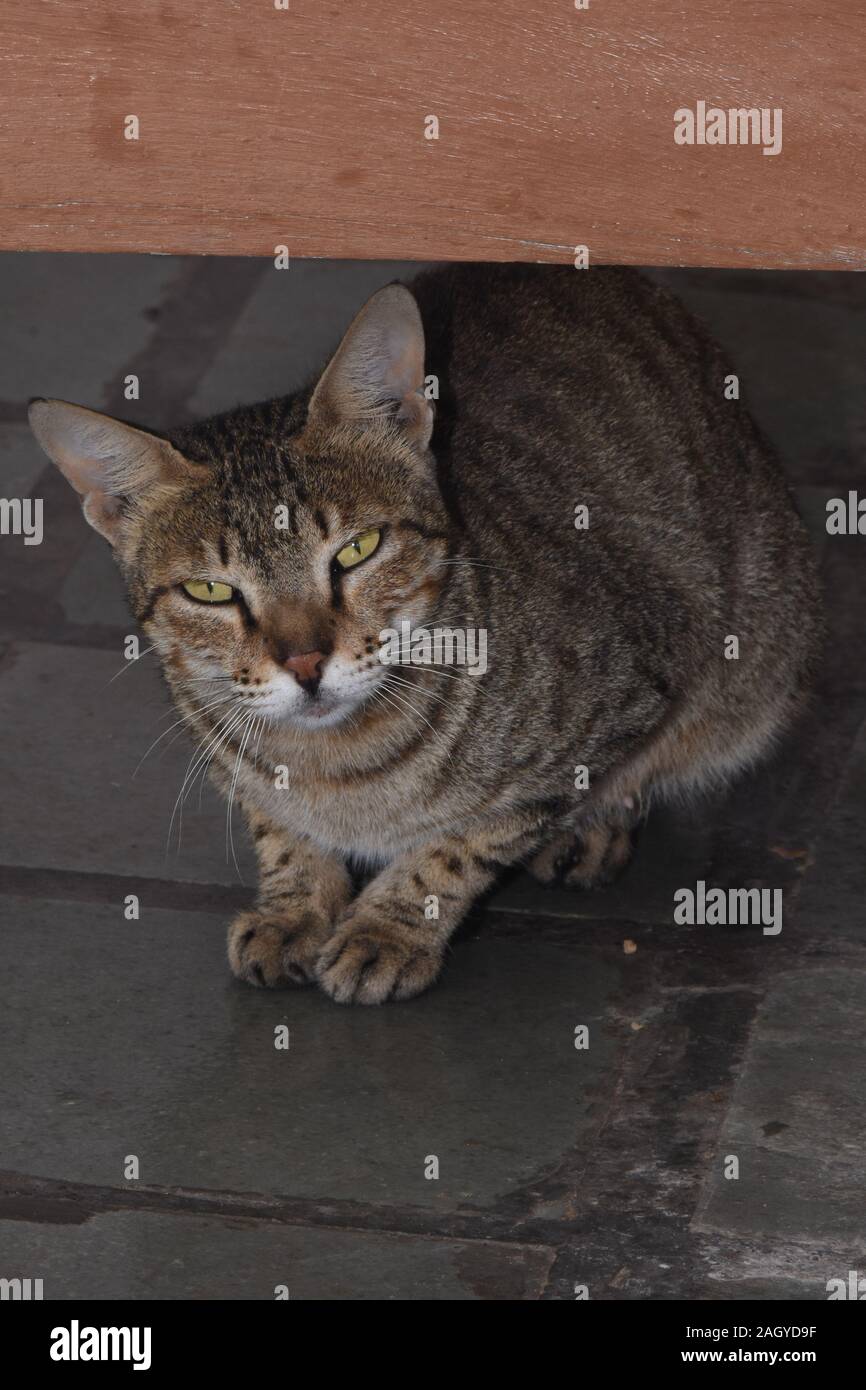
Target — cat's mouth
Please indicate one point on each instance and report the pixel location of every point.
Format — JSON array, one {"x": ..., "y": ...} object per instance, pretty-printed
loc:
[
  {"x": 322, "y": 707},
  {"x": 321, "y": 711}
]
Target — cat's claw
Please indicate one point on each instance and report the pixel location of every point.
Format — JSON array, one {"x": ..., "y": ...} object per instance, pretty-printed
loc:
[
  {"x": 267, "y": 949},
  {"x": 368, "y": 962}
]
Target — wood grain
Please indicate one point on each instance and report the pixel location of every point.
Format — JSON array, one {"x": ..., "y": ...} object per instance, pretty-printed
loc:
[{"x": 305, "y": 127}]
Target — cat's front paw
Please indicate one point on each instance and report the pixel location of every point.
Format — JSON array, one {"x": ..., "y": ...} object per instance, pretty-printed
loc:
[
  {"x": 369, "y": 960},
  {"x": 274, "y": 949}
]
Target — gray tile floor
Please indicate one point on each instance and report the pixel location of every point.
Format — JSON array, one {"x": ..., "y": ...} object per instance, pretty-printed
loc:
[{"x": 304, "y": 1168}]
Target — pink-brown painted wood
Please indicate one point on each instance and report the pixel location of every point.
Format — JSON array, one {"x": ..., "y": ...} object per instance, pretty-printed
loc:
[{"x": 305, "y": 127}]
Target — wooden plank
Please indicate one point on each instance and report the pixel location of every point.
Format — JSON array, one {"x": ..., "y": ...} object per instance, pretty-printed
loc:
[{"x": 305, "y": 127}]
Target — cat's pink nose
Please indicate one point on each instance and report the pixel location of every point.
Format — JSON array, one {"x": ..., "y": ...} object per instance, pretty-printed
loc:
[{"x": 306, "y": 668}]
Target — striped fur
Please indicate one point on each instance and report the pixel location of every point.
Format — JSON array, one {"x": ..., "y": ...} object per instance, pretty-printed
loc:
[{"x": 606, "y": 645}]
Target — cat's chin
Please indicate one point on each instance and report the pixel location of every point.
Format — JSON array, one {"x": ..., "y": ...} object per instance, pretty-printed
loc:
[{"x": 320, "y": 715}]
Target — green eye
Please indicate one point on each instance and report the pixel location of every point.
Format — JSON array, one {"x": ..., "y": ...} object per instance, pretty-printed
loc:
[
  {"x": 209, "y": 590},
  {"x": 358, "y": 549}
]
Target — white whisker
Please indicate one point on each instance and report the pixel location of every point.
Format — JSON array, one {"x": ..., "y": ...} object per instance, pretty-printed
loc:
[
  {"x": 133, "y": 661},
  {"x": 230, "y": 843},
  {"x": 184, "y": 719},
  {"x": 413, "y": 685},
  {"x": 408, "y": 705},
  {"x": 225, "y": 723}
]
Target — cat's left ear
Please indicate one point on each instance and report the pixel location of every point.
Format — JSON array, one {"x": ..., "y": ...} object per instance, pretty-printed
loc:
[
  {"x": 109, "y": 464},
  {"x": 377, "y": 371}
]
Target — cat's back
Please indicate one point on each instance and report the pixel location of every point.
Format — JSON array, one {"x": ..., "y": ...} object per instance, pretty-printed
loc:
[
  {"x": 563, "y": 388},
  {"x": 551, "y": 356},
  {"x": 560, "y": 386}
]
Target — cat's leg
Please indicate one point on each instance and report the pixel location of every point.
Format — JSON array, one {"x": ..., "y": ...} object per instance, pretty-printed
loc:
[
  {"x": 391, "y": 941},
  {"x": 302, "y": 891}
]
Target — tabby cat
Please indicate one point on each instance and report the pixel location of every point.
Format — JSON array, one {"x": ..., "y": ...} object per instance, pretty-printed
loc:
[{"x": 578, "y": 488}]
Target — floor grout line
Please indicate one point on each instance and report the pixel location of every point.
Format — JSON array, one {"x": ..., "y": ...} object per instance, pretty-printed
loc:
[{"x": 58, "y": 1202}]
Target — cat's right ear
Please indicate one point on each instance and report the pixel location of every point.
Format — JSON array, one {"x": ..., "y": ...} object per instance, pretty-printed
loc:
[
  {"x": 108, "y": 463},
  {"x": 377, "y": 372}
]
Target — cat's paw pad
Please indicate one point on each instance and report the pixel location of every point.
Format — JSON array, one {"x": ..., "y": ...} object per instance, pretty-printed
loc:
[
  {"x": 366, "y": 962},
  {"x": 268, "y": 950}
]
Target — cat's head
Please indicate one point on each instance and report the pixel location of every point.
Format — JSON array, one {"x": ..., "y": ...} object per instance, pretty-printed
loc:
[{"x": 271, "y": 546}]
